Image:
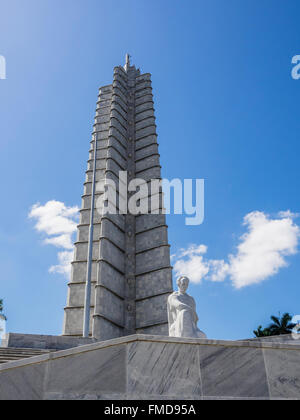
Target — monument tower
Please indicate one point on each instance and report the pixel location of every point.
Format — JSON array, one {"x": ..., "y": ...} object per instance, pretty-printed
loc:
[
  {"x": 126, "y": 257},
  {"x": 120, "y": 285}
]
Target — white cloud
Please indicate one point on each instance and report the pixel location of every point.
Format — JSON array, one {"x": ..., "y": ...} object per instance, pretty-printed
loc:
[
  {"x": 261, "y": 253},
  {"x": 288, "y": 214},
  {"x": 191, "y": 263},
  {"x": 58, "y": 222},
  {"x": 219, "y": 270},
  {"x": 263, "y": 249},
  {"x": 54, "y": 218},
  {"x": 61, "y": 241},
  {"x": 193, "y": 250},
  {"x": 64, "y": 267}
]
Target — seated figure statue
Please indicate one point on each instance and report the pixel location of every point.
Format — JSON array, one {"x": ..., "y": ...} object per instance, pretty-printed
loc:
[{"x": 182, "y": 313}]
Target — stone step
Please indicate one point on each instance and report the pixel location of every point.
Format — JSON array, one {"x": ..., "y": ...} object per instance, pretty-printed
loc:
[{"x": 12, "y": 354}]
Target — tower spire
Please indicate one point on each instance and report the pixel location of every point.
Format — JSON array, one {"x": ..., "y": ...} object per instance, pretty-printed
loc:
[{"x": 127, "y": 61}]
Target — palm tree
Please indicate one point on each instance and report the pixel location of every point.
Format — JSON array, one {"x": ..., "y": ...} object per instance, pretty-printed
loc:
[
  {"x": 281, "y": 326},
  {"x": 262, "y": 332}
]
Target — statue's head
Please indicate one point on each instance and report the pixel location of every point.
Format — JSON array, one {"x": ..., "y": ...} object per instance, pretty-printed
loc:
[{"x": 183, "y": 284}]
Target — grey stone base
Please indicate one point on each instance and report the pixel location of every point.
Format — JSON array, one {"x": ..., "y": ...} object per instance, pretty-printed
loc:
[
  {"x": 155, "y": 367},
  {"x": 288, "y": 339},
  {"x": 47, "y": 342}
]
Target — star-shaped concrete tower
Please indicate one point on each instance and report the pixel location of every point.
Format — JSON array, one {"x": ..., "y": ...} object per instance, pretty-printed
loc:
[{"x": 128, "y": 259}]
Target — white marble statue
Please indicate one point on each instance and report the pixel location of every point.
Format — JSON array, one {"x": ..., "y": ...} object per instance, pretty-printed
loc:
[{"x": 182, "y": 313}]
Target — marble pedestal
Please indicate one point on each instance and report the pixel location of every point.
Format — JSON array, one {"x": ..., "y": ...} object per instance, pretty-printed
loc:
[
  {"x": 45, "y": 342},
  {"x": 155, "y": 367}
]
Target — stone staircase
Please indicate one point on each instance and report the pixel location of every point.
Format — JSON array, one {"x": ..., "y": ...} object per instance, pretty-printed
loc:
[{"x": 12, "y": 354}]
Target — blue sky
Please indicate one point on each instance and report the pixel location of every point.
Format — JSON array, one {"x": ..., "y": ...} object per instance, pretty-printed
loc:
[{"x": 227, "y": 111}]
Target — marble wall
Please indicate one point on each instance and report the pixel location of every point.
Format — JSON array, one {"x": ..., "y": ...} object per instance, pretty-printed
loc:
[{"x": 153, "y": 367}]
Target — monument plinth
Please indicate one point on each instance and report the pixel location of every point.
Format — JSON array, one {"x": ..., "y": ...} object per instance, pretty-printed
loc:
[{"x": 158, "y": 368}]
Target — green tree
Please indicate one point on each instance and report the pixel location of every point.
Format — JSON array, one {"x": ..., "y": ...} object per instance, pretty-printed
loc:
[
  {"x": 281, "y": 326},
  {"x": 260, "y": 332}
]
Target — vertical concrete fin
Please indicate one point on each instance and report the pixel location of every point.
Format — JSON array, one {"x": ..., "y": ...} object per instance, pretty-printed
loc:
[{"x": 73, "y": 319}]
